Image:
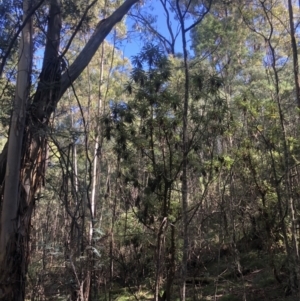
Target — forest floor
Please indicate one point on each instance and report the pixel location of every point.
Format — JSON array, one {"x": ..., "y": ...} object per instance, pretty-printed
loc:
[{"x": 217, "y": 281}]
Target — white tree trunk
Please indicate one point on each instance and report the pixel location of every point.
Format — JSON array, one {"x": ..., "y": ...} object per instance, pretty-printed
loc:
[{"x": 12, "y": 189}]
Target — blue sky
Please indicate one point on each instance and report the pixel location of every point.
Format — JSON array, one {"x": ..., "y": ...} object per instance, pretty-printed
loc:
[{"x": 136, "y": 40}]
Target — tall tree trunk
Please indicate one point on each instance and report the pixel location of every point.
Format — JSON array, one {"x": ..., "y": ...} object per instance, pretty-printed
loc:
[
  {"x": 295, "y": 52},
  {"x": 295, "y": 238},
  {"x": 171, "y": 264},
  {"x": 96, "y": 173},
  {"x": 185, "y": 139},
  {"x": 159, "y": 247},
  {"x": 185, "y": 150},
  {"x": 14, "y": 239},
  {"x": 26, "y": 151},
  {"x": 97, "y": 150},
  {"x": 292, "y": 251}
]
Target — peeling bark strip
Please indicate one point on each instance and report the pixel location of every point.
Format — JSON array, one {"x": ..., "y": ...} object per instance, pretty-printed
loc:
[{"x": 26, "y": 151}]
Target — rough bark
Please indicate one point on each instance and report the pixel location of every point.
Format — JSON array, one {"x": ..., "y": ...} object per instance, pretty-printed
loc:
[
  {"x": 29, "y": 152},
  {"x": 71, "y": 74}
]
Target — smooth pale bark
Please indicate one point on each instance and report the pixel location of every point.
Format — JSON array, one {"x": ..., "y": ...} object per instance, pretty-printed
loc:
[
  {"x": 11, "y": 191},
  {"x": 96, "y": 163},
  {"x": 295, "y": 52},
  {"x": 26, "y": 151},
  {"x": 13, "y": 287},
  {"x": 101, "y": 31},
  {"x": 103, "y": 28},
  {"x": 18, "y": 31}
]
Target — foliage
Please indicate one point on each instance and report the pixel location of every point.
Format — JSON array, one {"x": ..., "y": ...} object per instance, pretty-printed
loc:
[{"x": 117, "y": 138}]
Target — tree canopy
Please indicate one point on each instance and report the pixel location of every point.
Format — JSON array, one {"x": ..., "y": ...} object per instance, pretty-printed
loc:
[{"x": 168, "y": 174}]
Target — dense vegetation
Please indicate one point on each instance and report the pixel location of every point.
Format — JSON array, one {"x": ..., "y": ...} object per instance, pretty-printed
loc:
[{"x": 172, "y": 174}]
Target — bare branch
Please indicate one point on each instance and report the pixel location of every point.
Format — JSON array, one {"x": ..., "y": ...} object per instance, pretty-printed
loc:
[
  {"x": 102, "y": 30},
  {"x": 12, "y": 42},
  {"x": 77, "y": 28},
  {"x": 200, "y": 19},
  {"x": 173, "y": 38},
  {"x": 163, "y": 39}
]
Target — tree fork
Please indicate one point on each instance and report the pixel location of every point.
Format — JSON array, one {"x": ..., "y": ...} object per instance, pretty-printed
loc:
[{"x": 23, "y": 158}]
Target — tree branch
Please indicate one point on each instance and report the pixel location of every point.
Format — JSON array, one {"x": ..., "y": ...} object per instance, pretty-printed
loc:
[
  {"x": 12, "y": 42},
  {"x": 77, "y": 28},
  {"x": 102, "y": 30},
  {"x": 161, "y": 38},
  {"x": 201, "y": 18}
]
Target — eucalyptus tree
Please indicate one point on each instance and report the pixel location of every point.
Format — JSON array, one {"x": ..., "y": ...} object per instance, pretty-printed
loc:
[
  {"x": 274, "y": 28},
  {"x": 85, "y": 162},
  {"x": 24, "y": 157},
  {"x": 250, "y": 47}
]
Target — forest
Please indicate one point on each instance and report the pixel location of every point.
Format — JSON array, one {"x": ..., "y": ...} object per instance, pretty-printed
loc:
[{"x": 149, "y": 150}]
